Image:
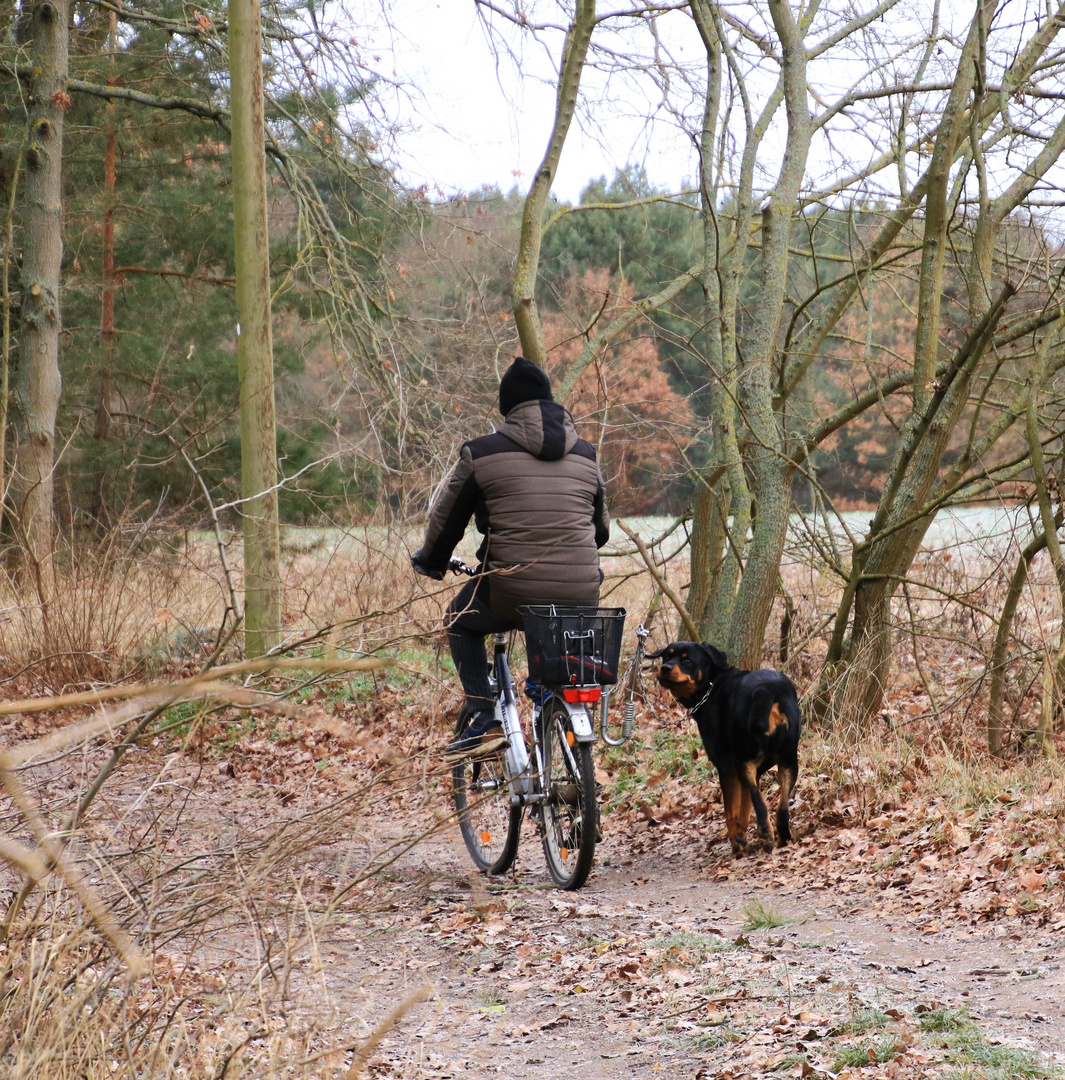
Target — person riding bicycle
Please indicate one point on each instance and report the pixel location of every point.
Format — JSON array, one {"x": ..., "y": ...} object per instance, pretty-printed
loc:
[{"x": 535, "y": 490}]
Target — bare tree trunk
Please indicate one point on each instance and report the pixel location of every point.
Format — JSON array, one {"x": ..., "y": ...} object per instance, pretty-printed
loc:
[
  {"x": 5, "y": 346},
  {"x": 258, "y": 435},
  {"x": 715, "y": 562},
  {"x": 1053, "y": 666},
  {"x": 102, "y": 432},
  {"x": 771, "y": 471},
  {"x": 893, "y": 539},
  {"x": 526, "y": 317},
  {"x": 896, "y": 532},
  {"x": 45, "y": 28},
  {"x": 999, "y": 654},
  {"x": 898, "y": 528},
  {"x": 708, "y": 539}
]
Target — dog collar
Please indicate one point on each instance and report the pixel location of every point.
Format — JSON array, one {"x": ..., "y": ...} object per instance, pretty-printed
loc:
[{"x": 702, "y": 701}]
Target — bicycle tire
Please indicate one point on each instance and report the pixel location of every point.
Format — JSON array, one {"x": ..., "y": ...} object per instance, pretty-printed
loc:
[
  {"x": 490, "y": 826},
  {"x": 568, "y": 812}
]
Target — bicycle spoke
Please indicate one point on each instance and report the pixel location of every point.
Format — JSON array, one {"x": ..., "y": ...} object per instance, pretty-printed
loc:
[
  {"x": 568, "y": 810},
  {"x": 490, "y": 826}
]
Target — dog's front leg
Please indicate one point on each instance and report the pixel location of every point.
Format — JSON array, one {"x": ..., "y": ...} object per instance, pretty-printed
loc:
[
  {"x": 745, "y": 811},
  {"x": 732, "y": 797}
]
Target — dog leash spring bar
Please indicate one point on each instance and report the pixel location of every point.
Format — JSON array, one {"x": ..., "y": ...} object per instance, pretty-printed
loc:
[{"x": 628, "y": 720}]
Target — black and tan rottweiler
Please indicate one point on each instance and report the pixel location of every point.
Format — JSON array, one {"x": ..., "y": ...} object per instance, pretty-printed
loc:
[{"x": 749, "y": 721}]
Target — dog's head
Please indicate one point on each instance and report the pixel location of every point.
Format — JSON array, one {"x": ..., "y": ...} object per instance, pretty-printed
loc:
[{"x": 688, "y": 669}]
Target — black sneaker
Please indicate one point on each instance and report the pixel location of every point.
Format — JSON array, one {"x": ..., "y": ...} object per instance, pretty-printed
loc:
[{"x": 484, "y": 735}]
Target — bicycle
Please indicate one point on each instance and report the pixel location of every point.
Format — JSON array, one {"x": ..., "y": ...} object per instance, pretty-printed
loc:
[{"x": 573, "y": 660}]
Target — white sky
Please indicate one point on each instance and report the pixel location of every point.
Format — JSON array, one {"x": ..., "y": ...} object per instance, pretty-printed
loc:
[
  {"x": 468, "y": 120},
  {"x": 471, "y": 116}
]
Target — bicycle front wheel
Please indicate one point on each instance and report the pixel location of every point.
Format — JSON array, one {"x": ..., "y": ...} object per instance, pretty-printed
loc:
[
  {"x": 490, "y": 826},
  {"x": 568, "y": 810}
]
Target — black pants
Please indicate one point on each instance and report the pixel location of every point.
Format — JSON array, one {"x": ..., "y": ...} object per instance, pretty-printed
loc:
[{"x": 469, "y": 619}]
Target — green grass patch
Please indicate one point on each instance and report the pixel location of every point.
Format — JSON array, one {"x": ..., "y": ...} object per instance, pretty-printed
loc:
[
  {"x": 871, "y": 1019},
  {"x": 856, "y": 1055},
  {"x": 759, "y": 917},
  {"x": 237, "y": 733},
  {"x": 406, "y": 672},
  {"x": 945, "y": 1020},
  {"x": 712, "y": 1038},
  {"x": 693, "y": 949},
  {"x": 178, "y": 719},
  {"x": 974, "y": 1057},
  {"x": 789, "y": 1061},
  {"x": 992, "y": 1061}
]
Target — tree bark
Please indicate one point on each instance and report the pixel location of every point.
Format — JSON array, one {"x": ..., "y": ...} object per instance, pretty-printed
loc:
[
  {"x": 526, "y": 317},
  {"x": 895, "y": 536},
  {"x": 46, "y": 29},
  {"x": 715, "y": 564},
  {"x": 102, "y": 432},
  {"x": 5, "y": 343},
  {"x": 770, "y": 469},
  {"x": 893, "y": 540},
  {"x": 1054, "y": 665},
  {"x": 999, "y": 654},
  {"x": 258, "y": 436}
]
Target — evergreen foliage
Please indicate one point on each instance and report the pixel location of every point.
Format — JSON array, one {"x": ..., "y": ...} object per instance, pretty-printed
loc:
[{"x": 167, "y": 378}]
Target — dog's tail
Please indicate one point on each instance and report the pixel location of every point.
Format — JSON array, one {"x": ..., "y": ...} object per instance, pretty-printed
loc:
[
  {"x": 772, "y": 711},
  {"x": 791, "y": 711}
]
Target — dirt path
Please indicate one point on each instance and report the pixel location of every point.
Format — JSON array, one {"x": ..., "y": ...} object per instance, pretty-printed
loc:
[
  {"x": 908, "y": 942},
  {"x": 651, "y": 968}
]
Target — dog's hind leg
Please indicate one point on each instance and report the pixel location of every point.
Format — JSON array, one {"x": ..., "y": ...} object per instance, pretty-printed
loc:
[
  {"x": 749, "y": 781},
  {"x": 731, "y": 796},
  {"x": 786, "y": 775}
]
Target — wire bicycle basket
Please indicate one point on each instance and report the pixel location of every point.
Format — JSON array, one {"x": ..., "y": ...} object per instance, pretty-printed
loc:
[{"x": 578, "y": 646}]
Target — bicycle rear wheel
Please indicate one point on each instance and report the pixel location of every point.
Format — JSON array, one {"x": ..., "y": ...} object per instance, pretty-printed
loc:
[
  {"x": 490, "y": 826},
  {"x": 568, "y": 809}
]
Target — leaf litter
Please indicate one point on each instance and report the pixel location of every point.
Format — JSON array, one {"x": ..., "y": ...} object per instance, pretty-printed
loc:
[{"x": 824, "y": 959}]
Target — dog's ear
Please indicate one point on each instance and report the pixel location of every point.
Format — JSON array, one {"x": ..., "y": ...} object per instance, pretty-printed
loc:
[
  {"x": 657, "y": 655},
  {"x": 716, "y": 656}
]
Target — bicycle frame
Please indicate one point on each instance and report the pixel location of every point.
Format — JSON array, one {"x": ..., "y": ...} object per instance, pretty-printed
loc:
[
  {"x": 523, "y": 781},
  {"x": 517, "y": 755}
]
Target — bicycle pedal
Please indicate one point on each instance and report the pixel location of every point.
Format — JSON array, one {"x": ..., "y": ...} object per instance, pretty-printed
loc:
[
  {"x": 489, "y": 748},
  {"x": 492, "y": 746},
  {"x": 568, "y": 793}
]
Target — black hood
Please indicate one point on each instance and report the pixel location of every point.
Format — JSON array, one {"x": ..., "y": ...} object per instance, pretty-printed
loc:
[{"x": 544, "y": 428}]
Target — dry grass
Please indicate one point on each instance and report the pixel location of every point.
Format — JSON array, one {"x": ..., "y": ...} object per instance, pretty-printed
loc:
[{"x": 219, "y": 900}]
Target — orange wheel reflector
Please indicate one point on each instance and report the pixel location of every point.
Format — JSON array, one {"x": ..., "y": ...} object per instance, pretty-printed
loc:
[
  {"x": 564, "y": 852},
  {"x": 486, "y": 837},
  {"x": 571, "y": 738}
]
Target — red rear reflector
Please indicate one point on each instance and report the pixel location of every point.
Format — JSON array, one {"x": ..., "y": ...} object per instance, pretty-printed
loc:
[{"x": 582, "y": 694}]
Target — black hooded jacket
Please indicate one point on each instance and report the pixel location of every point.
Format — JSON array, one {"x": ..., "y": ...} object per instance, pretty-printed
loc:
[{"x": 538, "y": 496}]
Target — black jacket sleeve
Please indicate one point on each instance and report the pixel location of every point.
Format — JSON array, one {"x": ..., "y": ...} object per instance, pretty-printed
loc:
[
  {"x": 450, "y": 515},
  {"x": 600, "y": 514}
]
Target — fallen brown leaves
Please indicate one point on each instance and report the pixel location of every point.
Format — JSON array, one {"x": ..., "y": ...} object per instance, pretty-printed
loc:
[{"x": 653, "y": 966}]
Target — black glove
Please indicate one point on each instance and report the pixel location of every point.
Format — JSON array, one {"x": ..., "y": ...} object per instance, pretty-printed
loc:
[{"x": 424, "y": 569}]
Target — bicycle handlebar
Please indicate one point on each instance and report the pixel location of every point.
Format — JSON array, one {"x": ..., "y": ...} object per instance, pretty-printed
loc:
[{"x": 457, "y": 566}]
